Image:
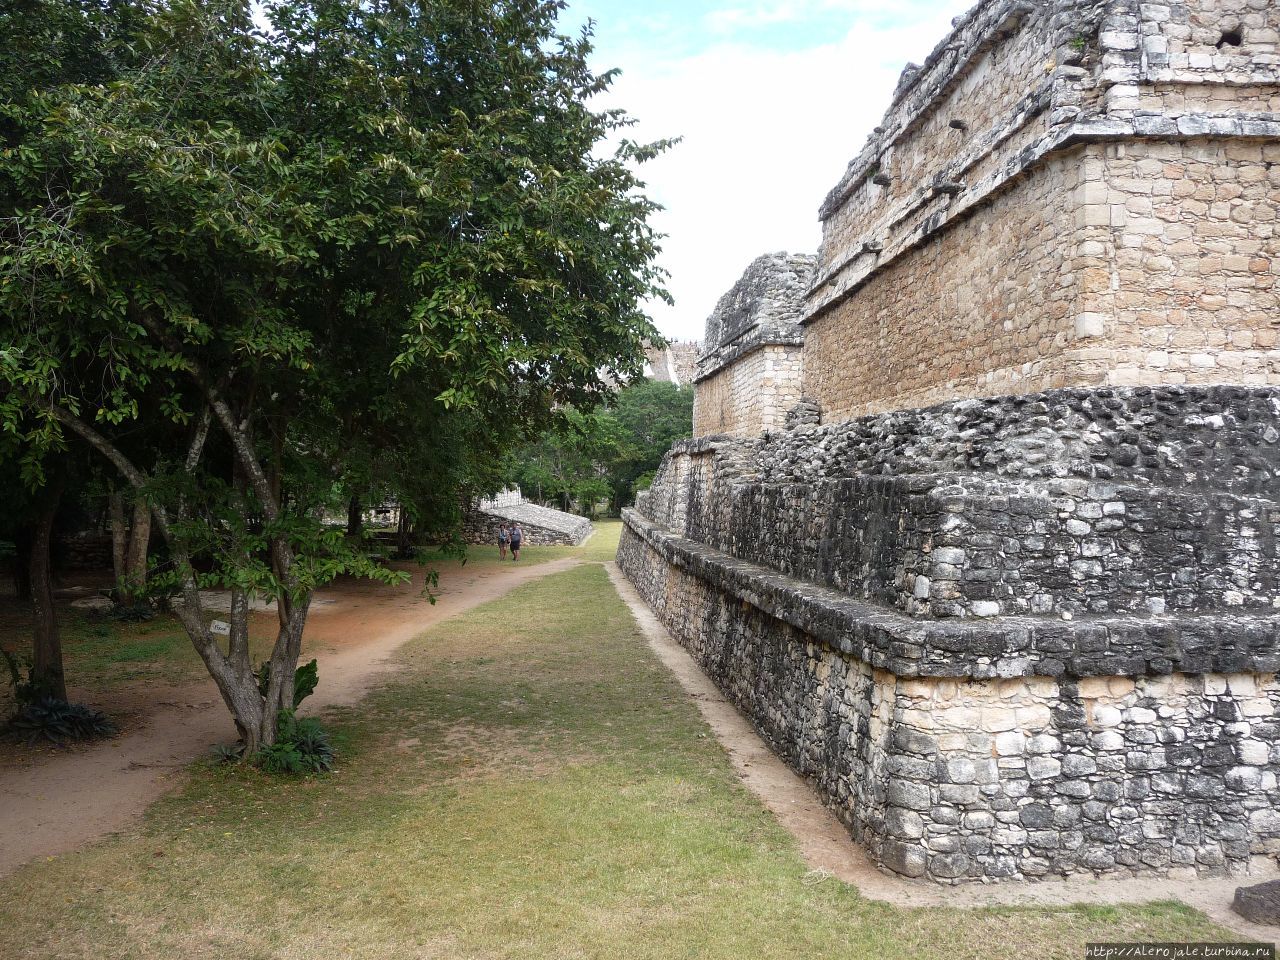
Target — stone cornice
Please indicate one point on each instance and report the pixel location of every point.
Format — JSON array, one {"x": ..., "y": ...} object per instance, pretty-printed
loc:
[{"x": 712, "y": 363}]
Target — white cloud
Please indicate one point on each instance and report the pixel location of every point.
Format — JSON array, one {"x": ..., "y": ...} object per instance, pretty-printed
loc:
[
  {"x": 766, "y": 134},
  {"x": 764, "y": 12}
]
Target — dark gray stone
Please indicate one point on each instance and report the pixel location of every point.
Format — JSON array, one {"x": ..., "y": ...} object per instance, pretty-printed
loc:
[{"x": 1259, "y": 903}]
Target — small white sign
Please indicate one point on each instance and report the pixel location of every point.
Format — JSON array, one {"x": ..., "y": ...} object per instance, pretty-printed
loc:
[{"x": 220, "y": 628}]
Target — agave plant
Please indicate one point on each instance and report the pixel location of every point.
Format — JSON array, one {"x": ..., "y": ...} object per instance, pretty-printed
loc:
[{"x": 58, "y": 721}]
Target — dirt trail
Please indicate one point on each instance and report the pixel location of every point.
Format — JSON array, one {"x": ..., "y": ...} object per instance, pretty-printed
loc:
[
  {"x": 53, "y": 805},
  {"x": 830, "y": 852}
]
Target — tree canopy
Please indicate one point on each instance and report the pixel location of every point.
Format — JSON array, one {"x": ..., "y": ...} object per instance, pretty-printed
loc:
[
  {"x": 608, "y": 452},
  {"x": 243, "y": 263}
]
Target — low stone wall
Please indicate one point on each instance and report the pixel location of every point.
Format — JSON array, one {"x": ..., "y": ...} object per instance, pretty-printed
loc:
[
  {"x": 1011, "y": 637},
  {"x": 955, "y": 763},
  {"x": 542, "y": 526}
]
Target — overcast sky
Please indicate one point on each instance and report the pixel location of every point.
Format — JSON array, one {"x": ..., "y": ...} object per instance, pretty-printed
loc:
[{"x": 772, "y": 97}]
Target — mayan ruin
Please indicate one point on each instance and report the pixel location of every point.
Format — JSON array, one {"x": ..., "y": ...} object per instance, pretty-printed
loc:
[
  {"x": 978, "y": 522},
  {"x": 640, "y": 479}
]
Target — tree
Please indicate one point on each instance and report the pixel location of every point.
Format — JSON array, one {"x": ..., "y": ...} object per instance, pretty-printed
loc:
[
  {"x": 34, "y": 522},
  {"x": 130, "y": 539},
  {"x": 567, "y": 464},
  {"x": 651, "y": 415},
  {"x": 47, "y": 673},
  {"x": 606, "y": 451},
  {"x": 238, "y": 255}
]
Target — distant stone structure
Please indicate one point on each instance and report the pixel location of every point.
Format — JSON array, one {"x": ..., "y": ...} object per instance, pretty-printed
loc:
[
  {"x": 542, "y": 526},
  {"x": 676, "y": 363},
  {"x": 749, "y": 376},
  {"x": 979, "y": 523}
]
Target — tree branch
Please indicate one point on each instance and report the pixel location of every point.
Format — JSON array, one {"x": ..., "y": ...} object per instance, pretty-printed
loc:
[
  {"x": 190, "y": 611},
  {"x": 113, "y": 453},
  {"x": 197, "y": 441},
  {"x": 226, "y": 419}
]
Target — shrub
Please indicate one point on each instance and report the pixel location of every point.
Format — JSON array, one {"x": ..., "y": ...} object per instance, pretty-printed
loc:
[
  {"x": 136, "y": 612},
  {"x": 302, "y": 746},
  {"x": 229, "y": 752},
  {"x": 58, "y": 721},
  {"x": 305, "y": 679}
]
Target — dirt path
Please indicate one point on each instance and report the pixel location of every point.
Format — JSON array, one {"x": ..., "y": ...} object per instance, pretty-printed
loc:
[
  {"x": 56, "y": 804},
  {"x": 830, "y": 852}
]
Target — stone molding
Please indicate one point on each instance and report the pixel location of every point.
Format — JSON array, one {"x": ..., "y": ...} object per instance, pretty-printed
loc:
[{"x": 1012, "y": 646}]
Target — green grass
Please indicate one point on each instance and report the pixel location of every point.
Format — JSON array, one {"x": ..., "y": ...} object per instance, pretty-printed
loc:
[
  {"x": 533, "y": 784},
  {"x": 104, "y": 652},
  {"x": 603, "y": 544},
  {"x": 101, "y": 654}
]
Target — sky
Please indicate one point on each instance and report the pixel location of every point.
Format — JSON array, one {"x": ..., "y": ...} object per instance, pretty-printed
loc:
[{"x": 773, "y": 98}]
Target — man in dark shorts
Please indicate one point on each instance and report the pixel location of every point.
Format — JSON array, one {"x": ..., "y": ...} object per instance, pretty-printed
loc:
[{"x": 516, "y": 536}]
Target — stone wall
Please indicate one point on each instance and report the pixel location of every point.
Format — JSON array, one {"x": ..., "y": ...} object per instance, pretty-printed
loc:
[
  {"x": 1131, "y": 263},
  {"x": 751, "y": 395},
  {"x": 987, "y": 308},
  {"x": 749, "y": 377},
  {"x": 1003, "y": 582},
  {"x": 982, "y": 778},
  {"x": 542, "y": 526},
  {"x": 1078, "y": 501},
  {"x": 1015, "y": 637},
  {"x": 1069, "y": 193}
]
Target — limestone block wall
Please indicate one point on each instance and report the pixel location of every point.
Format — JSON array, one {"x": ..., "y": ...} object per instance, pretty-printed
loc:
[
  {"x": 749, "y": 376},
  {"x": 1126, "y": 263},
  {"x": 1183, "y": 289},
  {"x": 751, "y": 395},
  {"x": 985, "y": 308},
  {"x": 980, "y": 99},
  {"x": 1003, "y": 583},
  {"x": 542, "y": 526},
  {"x": 970, "y": 777},
  {"x": 1195, "y": 41},
  {"x": 1012, "y": 637},
  {"x": 1067, "y": 193}
]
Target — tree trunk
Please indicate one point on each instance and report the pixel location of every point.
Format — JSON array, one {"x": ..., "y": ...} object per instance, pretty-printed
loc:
[
  {"x": 22, "y": 563},
  {"x": 255, "y": 715},
  {"x": 136, "y": 560},
  {"x": 355, "y": 517},
  {"x": 119, "y": 537},
  {"x": 46, "y": 665},
  {"x": 404, "y": 534}
]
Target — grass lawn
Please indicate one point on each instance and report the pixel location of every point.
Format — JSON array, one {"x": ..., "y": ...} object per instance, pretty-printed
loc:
[
  {"x": 102, "y": 654},
  {"x": 532, "y": 785}
]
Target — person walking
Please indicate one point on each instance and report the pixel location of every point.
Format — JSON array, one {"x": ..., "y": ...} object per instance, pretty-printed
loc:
[
  {"x": 516, "y": 536},
  {"x": 504, "y": 537}
]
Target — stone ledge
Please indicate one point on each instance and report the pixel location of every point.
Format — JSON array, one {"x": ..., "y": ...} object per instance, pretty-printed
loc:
[
  {"x": 974, "y": 33},
  {"x": 711, "y": 364},
  {"x": 1003, "y": 647}
]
